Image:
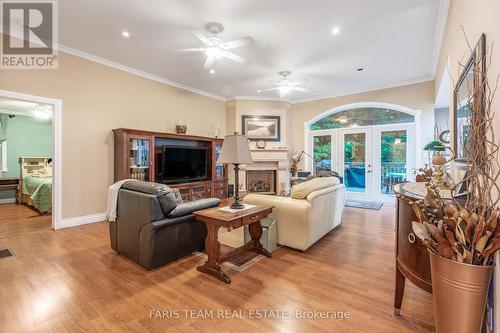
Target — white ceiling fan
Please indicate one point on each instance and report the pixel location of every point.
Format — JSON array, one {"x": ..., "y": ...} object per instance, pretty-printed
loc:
[
  {"x": 215, "y": 48},
  {"x": 285, "y": 85}
]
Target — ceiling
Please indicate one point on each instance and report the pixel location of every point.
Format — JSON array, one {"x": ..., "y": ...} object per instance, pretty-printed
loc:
[
  {"x": 395, "y": 41},
  {"x": 24, "y": 108}
]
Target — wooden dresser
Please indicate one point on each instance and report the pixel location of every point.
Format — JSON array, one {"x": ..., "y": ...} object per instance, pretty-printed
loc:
[{"x": 412, "y": 258}]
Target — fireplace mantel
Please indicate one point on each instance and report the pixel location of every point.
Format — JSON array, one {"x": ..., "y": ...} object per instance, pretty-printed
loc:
[{"x": 269, "y": 159}]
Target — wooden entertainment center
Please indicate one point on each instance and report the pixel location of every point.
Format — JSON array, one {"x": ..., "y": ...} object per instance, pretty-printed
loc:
[{"x": 138, "y": 154}]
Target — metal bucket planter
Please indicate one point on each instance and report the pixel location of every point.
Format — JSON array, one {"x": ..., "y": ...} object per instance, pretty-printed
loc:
[{"x": 459, "y": 292}]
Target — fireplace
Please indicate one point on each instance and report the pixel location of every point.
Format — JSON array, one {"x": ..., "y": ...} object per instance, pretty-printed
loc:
[{"x": 261, "y": 181}]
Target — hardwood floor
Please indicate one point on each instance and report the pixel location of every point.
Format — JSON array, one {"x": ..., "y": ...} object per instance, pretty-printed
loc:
[
  {"x": 70, "y": 280},
  {"x": 17, "y": 220}
]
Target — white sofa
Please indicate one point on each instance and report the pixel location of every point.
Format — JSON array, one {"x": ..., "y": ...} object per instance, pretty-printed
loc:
[{"x": 313, "y": 209}]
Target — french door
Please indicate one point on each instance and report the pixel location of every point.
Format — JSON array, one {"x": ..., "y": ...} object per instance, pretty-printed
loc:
[
  {"x": 370, "y": 159},
  {"x": 355, "y": 162}
]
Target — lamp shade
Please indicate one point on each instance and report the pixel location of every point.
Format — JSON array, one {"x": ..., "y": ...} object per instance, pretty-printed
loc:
[
  {"x": 435, "y": 145},
  {"x": 235, "y": 150}
]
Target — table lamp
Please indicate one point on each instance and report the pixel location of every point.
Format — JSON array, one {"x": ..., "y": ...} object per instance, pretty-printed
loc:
[{"x": 235, "y": 150}]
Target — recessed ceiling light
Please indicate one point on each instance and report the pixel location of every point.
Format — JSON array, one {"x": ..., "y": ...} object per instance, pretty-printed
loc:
[
  {"x": 125, "y": 34},
  {"x": 360, "y": 69},
  {"x": 259, "y": 91},
  {"x": 212, "y": 71},
  {"x": 335, "y": 30}
]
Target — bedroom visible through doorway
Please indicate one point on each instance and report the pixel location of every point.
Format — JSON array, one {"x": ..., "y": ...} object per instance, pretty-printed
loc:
[{"x": 26, "y": 164}]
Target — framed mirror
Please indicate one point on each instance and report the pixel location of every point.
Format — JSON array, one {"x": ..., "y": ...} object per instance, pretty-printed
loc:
[{"x": 466, "y": 94}]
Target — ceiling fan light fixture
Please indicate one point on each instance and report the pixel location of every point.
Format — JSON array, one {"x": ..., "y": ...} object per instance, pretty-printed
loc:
[
  {"x": 214, "y": 52},
  {"x": 284, "y": 90}
]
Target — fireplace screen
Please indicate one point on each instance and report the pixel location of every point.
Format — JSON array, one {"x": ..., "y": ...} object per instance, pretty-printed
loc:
[{"x": 261, "y": 181}]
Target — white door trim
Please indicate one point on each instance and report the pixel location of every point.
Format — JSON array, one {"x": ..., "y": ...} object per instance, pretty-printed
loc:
[{"x": 56, "y": 148}]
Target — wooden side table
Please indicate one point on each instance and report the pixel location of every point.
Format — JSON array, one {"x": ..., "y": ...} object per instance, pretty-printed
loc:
[{"x": 214, "y": 218}]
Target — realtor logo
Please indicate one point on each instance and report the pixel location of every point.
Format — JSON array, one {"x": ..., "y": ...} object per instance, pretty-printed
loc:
[{"x": 30, "y": 35}]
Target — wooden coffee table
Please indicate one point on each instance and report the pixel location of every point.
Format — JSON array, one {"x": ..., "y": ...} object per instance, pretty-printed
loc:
[{"x": 214, "y": 218}]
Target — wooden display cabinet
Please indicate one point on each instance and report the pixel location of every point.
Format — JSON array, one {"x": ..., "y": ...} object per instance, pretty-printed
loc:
[{"x": 135, "y": 158}]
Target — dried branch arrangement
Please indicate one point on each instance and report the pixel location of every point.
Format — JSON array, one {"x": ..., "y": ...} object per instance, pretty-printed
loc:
[
  {"x": 468, "y": 231},
  {"x": 454, "y": 232}
]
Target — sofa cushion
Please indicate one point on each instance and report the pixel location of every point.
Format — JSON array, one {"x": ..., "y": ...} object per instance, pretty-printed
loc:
[
  {"x": 301, "y": 191},
  {"x": 192, "y": 206},
  {"x": 163, "y": 193}
]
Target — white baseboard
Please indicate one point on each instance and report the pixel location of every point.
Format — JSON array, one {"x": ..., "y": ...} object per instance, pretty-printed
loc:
[
  {"x": 81, "y": 220},
  {"x": 7, "y": 201}
]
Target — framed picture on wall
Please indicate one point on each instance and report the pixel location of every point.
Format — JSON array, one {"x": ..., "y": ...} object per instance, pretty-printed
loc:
[{"x": 261, "y": 127}]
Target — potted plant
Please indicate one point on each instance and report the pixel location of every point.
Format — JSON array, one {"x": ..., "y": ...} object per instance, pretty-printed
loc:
[
  {"x": 461, "y": 244},
  {"x": 462, "y": 233}
]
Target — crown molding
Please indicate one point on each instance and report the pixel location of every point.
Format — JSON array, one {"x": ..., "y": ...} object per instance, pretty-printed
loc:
[
  {"x": 131, "y": 70},
  {"x": 442, "y": 18},
  {"x": 360, "y": 91}
]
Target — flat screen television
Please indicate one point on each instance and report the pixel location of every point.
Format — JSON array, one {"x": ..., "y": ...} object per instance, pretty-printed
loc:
[{"x": 183, "y": 164}]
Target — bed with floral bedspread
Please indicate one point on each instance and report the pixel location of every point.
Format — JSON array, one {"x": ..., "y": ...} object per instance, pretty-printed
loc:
[{"x": 37, "y": 192}]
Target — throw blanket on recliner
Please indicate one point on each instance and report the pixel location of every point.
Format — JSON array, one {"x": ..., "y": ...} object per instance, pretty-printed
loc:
[{"x": 113, "y": 198}]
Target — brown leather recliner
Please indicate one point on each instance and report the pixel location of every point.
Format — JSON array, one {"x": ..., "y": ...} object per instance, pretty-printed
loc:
[{"x": 152, "y": 228}]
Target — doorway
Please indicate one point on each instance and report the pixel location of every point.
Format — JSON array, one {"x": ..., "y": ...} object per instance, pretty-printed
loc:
[
  {"x": 372, "y": 148},
  {"x": 33, "y": 151}
]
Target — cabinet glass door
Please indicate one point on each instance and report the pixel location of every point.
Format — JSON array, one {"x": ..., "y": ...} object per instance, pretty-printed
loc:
[
  {"x": 219, "y": 167},
  {"x": 140, "y": 159}
]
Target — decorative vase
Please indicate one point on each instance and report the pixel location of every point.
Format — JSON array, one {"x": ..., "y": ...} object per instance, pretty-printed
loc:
[
  {"x": 180, "y": 128},
  {"x": 459, "y": 291},
  {"x": 438, "y": 160}
]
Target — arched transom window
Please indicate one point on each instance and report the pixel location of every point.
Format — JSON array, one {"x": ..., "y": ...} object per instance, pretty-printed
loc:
[{"x": 362, "y": 117}]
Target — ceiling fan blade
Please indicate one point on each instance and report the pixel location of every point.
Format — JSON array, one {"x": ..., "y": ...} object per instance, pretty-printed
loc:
[
  {"x": 270, "y": 89},
  {"x": 299, "y": 82},
  {"x": 273, "y": 81},
  {"x": 236, "y": 58},
  {"x": 209, "y": 63},
  {"x": 193, "y": 49},
  {"x": 300, "y": 89},
  {"x": 202, "y": 38},
  {"x": 237, "y": 43}
]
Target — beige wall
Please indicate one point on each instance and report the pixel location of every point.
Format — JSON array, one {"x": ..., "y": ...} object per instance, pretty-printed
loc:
[
  {"x": 236, "y": 109},
  {"x": 476, "y": 17},
  {"x": 97, "y": 99},
  {"x": 416, "y": 96}
]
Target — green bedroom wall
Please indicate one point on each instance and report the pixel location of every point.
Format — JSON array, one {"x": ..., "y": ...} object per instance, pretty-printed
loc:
[{"x": 27, "y": 136}]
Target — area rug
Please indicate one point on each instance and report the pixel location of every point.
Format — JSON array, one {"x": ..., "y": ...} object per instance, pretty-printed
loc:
[
  {"x": 238, "y": 264},
  {"x": 375, "y": 205}
]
